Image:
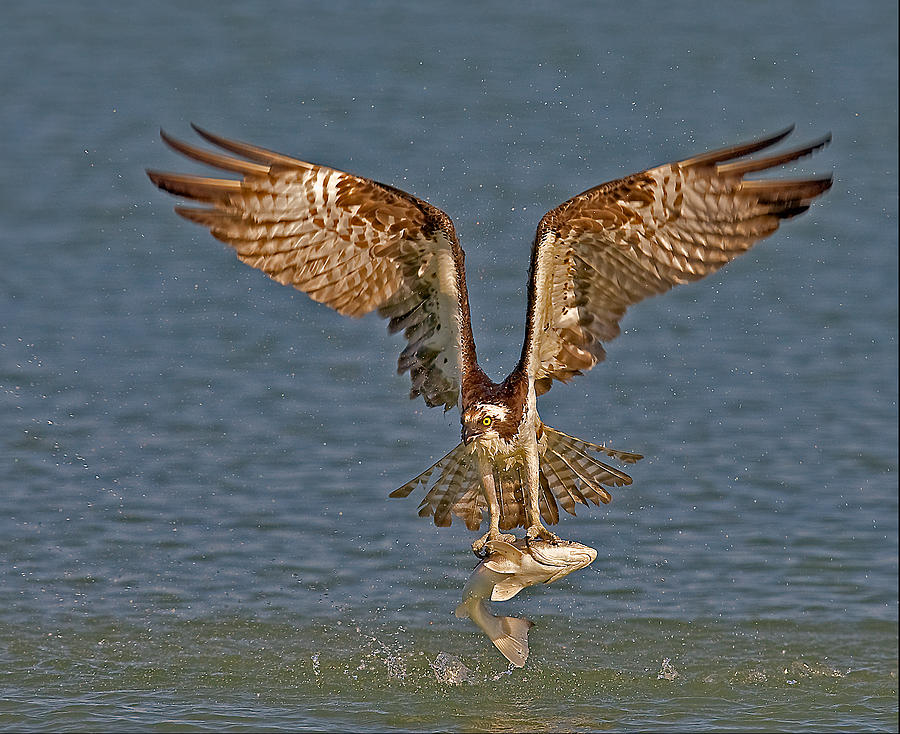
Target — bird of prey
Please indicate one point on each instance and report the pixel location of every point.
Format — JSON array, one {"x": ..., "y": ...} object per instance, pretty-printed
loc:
[{"x": 359, "y": 246}]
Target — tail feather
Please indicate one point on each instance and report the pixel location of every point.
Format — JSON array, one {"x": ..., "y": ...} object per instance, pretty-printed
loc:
[
  {"x": 422, "y": 479},
  {"x": 626, "y": 457},
  {"x": 570, "y": 474},
  {"x": 563, "y": 481},
  {"x": 590, "y": 489},
  {"x": 471, "y": 507},
  {"x": 510, "y": 497},
  {"x": 549, "y": 510},
  {"x": 456, "y": 489},
  {"x": 616, "y": 478},
  {"x": 574, "y": 475},
  {"x": 458, "y": 475}
]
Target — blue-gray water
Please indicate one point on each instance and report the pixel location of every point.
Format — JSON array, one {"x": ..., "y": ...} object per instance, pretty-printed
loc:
[{"x": 194, "y": 461}]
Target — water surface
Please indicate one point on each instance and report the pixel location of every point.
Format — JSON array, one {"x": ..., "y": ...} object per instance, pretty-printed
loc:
[{"x": 194, "y": 461}]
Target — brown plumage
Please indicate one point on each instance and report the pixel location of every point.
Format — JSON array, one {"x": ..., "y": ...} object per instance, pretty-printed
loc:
[
  {"x": 348, "y": 242},
  {"x": 618, "y": 243},
  {"x": 358, "y": 246}
]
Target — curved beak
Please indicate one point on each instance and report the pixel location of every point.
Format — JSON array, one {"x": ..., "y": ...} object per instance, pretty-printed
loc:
[{"x": 467, "y": 436}]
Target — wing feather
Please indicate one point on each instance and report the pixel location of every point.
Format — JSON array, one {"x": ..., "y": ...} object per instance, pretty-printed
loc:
[
  {"x": 352, "y": 243},
  {"x": 623, "y": 241}
]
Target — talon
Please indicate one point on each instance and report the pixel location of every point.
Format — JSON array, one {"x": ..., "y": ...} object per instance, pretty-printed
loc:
[
  {"x": 539, "y": 532},
  {"x": 481, "y": 547}
]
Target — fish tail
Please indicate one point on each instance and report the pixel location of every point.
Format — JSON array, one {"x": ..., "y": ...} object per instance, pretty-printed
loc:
[{"x": 512, "y": 639}]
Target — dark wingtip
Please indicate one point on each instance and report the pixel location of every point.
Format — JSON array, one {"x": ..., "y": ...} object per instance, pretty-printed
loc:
[
  {"x": 202, "y": 132},
  {"x": 168, "y": 139},
  {"x": 783, "y": 133},
  {"x": 210, "y": 137},
  {"x": 822, "y": 142},
  {"x": 734, "y": 152}
]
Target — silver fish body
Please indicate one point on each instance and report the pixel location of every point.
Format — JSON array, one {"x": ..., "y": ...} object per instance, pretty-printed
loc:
[{"x": 509, "y": 568}]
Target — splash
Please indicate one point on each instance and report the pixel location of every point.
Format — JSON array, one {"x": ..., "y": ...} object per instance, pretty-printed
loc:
[
  {"x": 509, "y": 671},
  {"x": 385, "y": 655},
  {"x": 451, "y": 671},
  {"x": 800, "y": 669},
  {"x": 667, "y": 671}
]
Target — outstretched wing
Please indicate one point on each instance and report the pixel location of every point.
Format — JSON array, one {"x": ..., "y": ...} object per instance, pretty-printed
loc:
[
  {"x": 618, "y": 243},
  {"x": 351, "y": 243}
]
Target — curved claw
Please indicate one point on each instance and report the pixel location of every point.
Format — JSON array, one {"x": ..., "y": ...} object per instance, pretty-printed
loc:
[
  {"x": 480, "y": 547},
  {"x": 539, "y": 532}
]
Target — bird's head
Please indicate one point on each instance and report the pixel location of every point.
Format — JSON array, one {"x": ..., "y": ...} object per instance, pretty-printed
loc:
[{"x": 485, "y": 421}]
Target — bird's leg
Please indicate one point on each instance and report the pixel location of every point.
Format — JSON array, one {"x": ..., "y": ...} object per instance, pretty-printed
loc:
[
  {"x": 489, "y": 488},
  {"x": 535, "y": 529}
]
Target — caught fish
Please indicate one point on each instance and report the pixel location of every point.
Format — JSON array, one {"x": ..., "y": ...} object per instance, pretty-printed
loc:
[{"x": 505, "y": 571}]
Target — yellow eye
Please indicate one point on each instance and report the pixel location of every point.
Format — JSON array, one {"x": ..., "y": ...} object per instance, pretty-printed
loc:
[{"x": 486, "y": 421}]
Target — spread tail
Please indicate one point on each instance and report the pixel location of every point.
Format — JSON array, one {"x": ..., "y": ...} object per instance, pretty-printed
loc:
[
  {"x": 512, "y": 639},
  {"x": 570, "y": 474}
]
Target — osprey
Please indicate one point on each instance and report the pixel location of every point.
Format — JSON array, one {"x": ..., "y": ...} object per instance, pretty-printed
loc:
[{"x": 358, "y": 246}]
